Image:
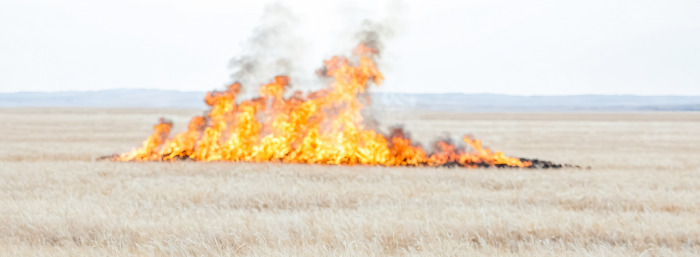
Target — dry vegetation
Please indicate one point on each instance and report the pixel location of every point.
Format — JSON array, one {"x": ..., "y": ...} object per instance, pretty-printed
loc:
[{"x": 641, "y": 197}]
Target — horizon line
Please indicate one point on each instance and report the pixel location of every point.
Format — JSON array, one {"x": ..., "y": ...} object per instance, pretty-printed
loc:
[{"x": 385, "y": 92}]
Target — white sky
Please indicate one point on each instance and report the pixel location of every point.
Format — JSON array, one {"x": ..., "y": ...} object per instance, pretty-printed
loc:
[{"x": 545, "y": 47}]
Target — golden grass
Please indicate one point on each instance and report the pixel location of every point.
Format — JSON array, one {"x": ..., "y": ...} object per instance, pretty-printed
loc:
[{"x": 641, "y": 197}]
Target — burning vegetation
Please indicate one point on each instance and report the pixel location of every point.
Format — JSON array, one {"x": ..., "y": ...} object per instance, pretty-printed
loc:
[{"x": 321, "y": 127}]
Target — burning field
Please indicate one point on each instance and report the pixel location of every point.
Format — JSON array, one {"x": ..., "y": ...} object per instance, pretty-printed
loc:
[
  {"x": 322, "y": 127},
  {"x": 641, "y": 199},
  {"x": 307, "y": 167}
]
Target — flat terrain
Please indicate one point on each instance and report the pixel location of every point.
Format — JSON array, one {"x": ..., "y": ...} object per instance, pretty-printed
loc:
[{"x": 641, "y": 196}]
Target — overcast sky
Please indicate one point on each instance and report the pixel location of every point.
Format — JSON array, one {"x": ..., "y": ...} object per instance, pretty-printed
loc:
[{"x": 542, "y": 47}]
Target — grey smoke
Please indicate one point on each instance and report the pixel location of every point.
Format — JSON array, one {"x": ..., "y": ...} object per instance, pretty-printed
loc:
[
  {"x": 372, "y": 34},
  {"x": 270, "y": 50},
  {"x": 378, "y": 32},
  {"x": 277, "y": 48}
]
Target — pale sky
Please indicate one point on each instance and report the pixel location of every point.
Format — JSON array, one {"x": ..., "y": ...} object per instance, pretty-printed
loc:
[{"x": 536, "y": 47}]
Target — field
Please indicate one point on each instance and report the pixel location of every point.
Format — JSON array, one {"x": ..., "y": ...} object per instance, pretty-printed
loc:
[{"x": 640, "y": 197}]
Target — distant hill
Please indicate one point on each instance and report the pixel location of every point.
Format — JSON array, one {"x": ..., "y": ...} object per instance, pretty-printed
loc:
[
  {"x": 511, "y": 103},
  {"x": 137, "y": 98},
  {"x": 142, "y": 98}
]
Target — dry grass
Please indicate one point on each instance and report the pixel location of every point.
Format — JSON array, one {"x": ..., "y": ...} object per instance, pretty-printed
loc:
[{"x": 641, "y": 197}]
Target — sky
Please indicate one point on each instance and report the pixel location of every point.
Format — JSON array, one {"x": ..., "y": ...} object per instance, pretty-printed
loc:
[{"x": 536, "y": 47}]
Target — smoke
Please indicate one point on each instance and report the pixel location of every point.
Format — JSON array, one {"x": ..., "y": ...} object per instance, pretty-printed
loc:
[
  {"x": 277, "y": 46},
  {"x": 271, "y": 50},
  {"x": 377, "y": 34},
  {"x": 373, "y": 35},
  {"x": 381, "y": 27}
]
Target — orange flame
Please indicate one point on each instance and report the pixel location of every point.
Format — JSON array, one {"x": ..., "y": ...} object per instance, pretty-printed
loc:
[
  {"x": 149, "y": 149},
  {"x": 324, "y": 127}
]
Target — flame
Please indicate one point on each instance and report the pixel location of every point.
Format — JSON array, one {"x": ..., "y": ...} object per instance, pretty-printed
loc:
[
  {"x": 323, "y": 127},
  {"x": 149, "y": 149}
]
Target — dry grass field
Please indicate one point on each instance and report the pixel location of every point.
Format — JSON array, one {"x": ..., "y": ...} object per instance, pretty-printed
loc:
[{"x": 641, "y": 196}]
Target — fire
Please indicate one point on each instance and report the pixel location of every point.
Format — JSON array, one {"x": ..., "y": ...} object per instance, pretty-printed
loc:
[
  {"x": 150, "y": 148},
  {"x": 323, "y": 127}
]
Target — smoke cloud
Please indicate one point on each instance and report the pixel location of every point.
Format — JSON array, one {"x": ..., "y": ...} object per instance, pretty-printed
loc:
[
  {"x": 271, "y": 50},
  {"x": 277, "y": 46}
]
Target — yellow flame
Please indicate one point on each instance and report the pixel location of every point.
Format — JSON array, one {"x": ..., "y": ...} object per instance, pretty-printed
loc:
[{"x": 324, "y": 127}]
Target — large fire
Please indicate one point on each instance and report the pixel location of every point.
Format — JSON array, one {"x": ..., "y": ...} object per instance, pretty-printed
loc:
[{"x": 322, "y": 127}]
